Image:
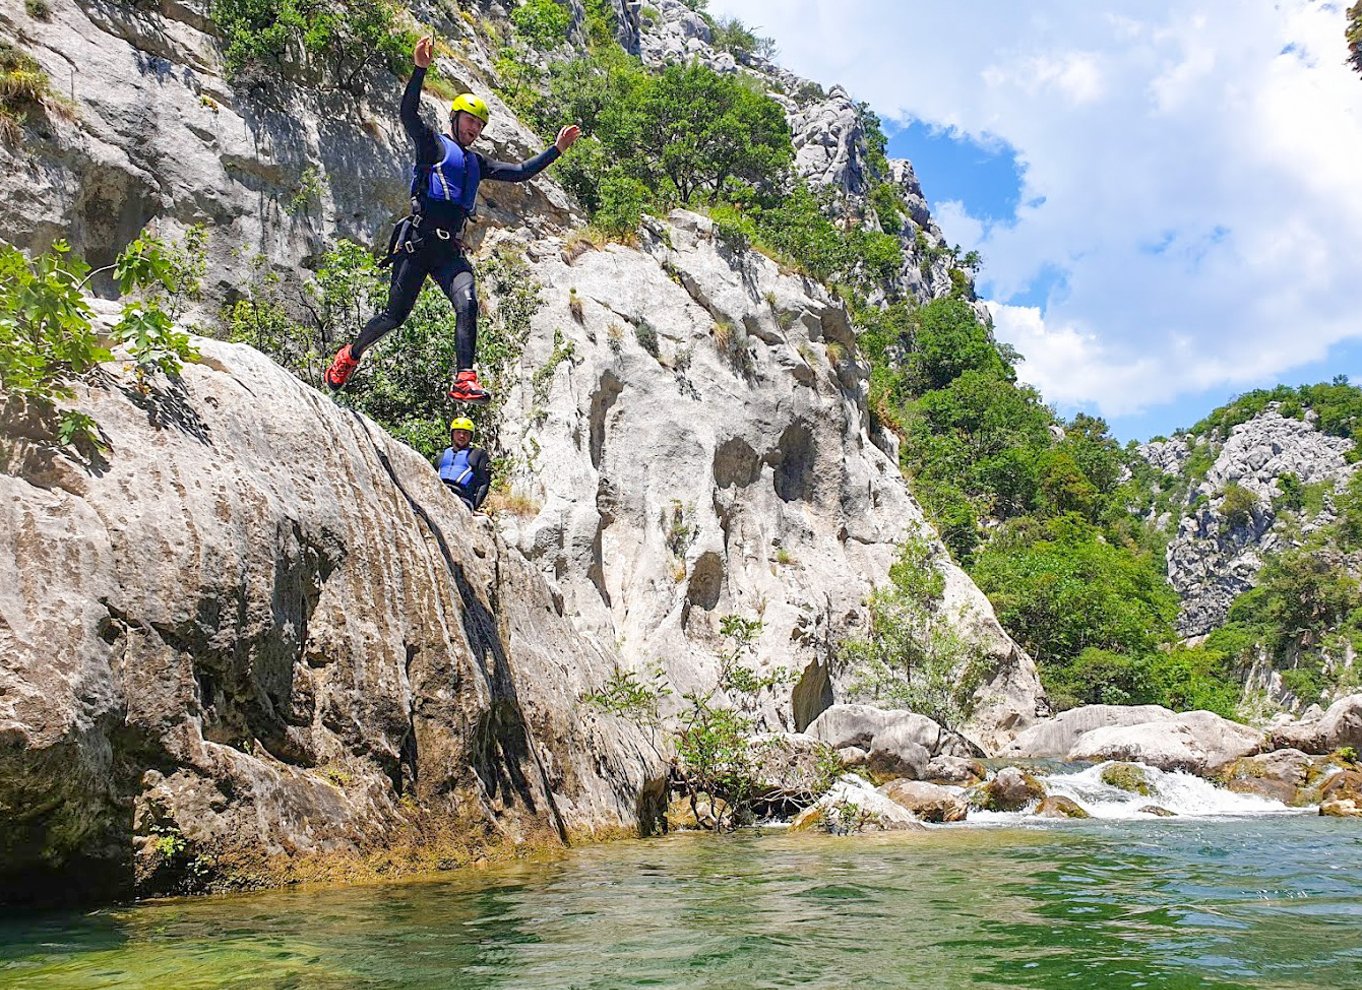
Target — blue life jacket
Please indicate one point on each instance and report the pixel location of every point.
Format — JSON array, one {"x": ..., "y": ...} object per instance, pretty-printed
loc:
[
  {"x": 454, "y": 180},
  {"x": 454, "y": 468}
]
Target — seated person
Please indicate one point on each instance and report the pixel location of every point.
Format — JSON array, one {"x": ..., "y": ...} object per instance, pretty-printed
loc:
[{"x": 463, "y": 467}]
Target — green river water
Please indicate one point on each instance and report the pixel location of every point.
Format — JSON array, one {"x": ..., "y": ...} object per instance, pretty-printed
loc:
[{"x": 1273, "y": 901}]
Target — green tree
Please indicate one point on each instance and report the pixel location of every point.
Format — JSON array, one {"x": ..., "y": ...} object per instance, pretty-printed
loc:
[
  {"x": 911, "y": 654},
  {"x": 949, "y": 340},
  {"x": 703, "y": 129},
  {"x": 542, "y": 23},
  {"x": 1061, "y": 589},
  {"x": 343, "y": 38}
]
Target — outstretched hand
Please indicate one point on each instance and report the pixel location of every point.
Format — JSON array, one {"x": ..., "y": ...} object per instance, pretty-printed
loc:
[
  {"x": 424, "y": 52},
  {"x": 566, "y": 136}
]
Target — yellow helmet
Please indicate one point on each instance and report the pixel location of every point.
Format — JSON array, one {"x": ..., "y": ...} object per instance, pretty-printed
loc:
[
  {"x": 462, "y": 423},
  {"x": 469, "y": 103}
]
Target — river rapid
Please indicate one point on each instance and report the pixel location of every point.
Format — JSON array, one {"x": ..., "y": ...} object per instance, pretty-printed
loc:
[{"x": 1231, "y": 893}]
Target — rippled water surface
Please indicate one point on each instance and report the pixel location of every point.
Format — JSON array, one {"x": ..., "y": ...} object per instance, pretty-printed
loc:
[{"x": 1258, "y": 902}]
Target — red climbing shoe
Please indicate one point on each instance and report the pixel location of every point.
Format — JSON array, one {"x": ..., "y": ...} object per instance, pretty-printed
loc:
[
  {"x": 467, "y": 389},
  {"x": 341, "y": 368}
]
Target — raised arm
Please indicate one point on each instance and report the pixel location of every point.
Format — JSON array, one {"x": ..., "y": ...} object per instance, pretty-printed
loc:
[
  {"x": 429, "y": 150},
  {"x": 511, "y": 172}
]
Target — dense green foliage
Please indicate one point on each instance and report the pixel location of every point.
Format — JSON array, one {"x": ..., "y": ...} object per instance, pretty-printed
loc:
[
  {"x": 688, "y": 136},
  {"x": 1035, "y": 508},
  {"x": 1305, "y": 613},
  {"x": 47, "y": 335},
  {"x": 542, "y": 23},
  {"x": 339, "y": 40}
]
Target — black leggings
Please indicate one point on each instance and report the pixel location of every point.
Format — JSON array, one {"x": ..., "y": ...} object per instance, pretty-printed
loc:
[{"x": 454, "y": 275}]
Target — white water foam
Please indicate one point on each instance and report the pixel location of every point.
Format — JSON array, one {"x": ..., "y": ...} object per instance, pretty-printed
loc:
[{"x": 1183, "y": 794}]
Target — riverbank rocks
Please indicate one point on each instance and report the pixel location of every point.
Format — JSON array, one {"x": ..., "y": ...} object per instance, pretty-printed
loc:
[
  {"x": 927, "y": 802},
  {"x": 1009, "y": 790},
  {"x": 954, "y": 770},
  {"x": 897, "y": 743},
  {"x": 1059, "y": 806},
  {"x": 1197, "y": 742},
  {"x": 853, "y": 806},
  {"x": 1339, "y": 726},
  {"x": 1282, "y": 775},
  {"x": 1157, "y": 812},
  {"x": 1341, "y": 795},
  {"x": 1054, "y": 737}
]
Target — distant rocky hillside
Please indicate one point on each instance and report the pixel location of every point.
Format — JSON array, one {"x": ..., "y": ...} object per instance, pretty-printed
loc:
[{"x": 1263, "y": 494}]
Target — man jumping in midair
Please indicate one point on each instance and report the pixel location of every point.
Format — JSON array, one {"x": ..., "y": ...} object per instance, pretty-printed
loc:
[{"x": 444, "y": 190}]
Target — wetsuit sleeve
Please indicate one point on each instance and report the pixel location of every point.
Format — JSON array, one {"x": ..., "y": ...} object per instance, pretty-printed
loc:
[
  {"x": 429, "y": 150},
  {"x": 510, "y": 172},
  {"x": 482, "y": 477}
]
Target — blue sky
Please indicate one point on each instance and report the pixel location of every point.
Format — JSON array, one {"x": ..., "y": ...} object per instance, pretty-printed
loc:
[{"x": 1166, "y": 195}]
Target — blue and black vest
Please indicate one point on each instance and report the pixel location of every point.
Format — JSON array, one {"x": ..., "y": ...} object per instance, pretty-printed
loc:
[
  {"x": 455, "y": 469},
  {"x": 454, "y": 180}
]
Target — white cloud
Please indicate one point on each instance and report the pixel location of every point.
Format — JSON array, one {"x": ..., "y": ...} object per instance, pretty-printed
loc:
[{"x": 1192, "y": 172}]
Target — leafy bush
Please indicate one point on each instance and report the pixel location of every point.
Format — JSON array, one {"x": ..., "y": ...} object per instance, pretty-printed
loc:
[
  {"x": 911, "y": 656},
  {"x": 342, "y": 39},
  {"x": 890, "y": 209},
  {"x": 47, "y": 336},
  {"x": 1237, "y": 505},
  {"x": 542, "y": 23},
  {"x": 24, "y": 88},
  {"x": 731, "y": 35},
  {"x": 715, "y": 754}
]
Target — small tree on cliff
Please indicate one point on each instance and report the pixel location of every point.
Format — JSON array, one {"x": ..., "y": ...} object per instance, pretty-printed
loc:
[{"x": 911, "y": 656}]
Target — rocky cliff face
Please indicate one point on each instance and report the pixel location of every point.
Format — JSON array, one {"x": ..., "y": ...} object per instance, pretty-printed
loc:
[
  {"x": 257, "y": 639},
  {"x": 257, "y": 634},
  {"x": 705, "y": 450},
  {"x": 1214, "y": 555}
]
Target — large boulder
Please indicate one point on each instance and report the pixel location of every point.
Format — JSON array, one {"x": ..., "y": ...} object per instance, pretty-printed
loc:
[
  {"x": 1054, "y": 737},
  {"x": 841, "y": 726},
  {"x": 853, "y": 806},
  {"x": 1059, "y": 806},
  {"x": 1341, "y": 795},
  {"x": 904, "y": 747},
  {"x": 1339, "y": 726},
  {"x": 954, "y": 770},
  {"x": 1198, "y": 742},
  {"x": 256, "y": 639},
  {"x": 1010, "y": 789},
  {"x": 1281, "y": 775},
  {"x": 928, "y": 802}
]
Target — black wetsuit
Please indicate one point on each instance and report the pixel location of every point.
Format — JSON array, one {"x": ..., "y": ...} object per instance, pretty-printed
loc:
[{"x": 441, "y": 259}]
